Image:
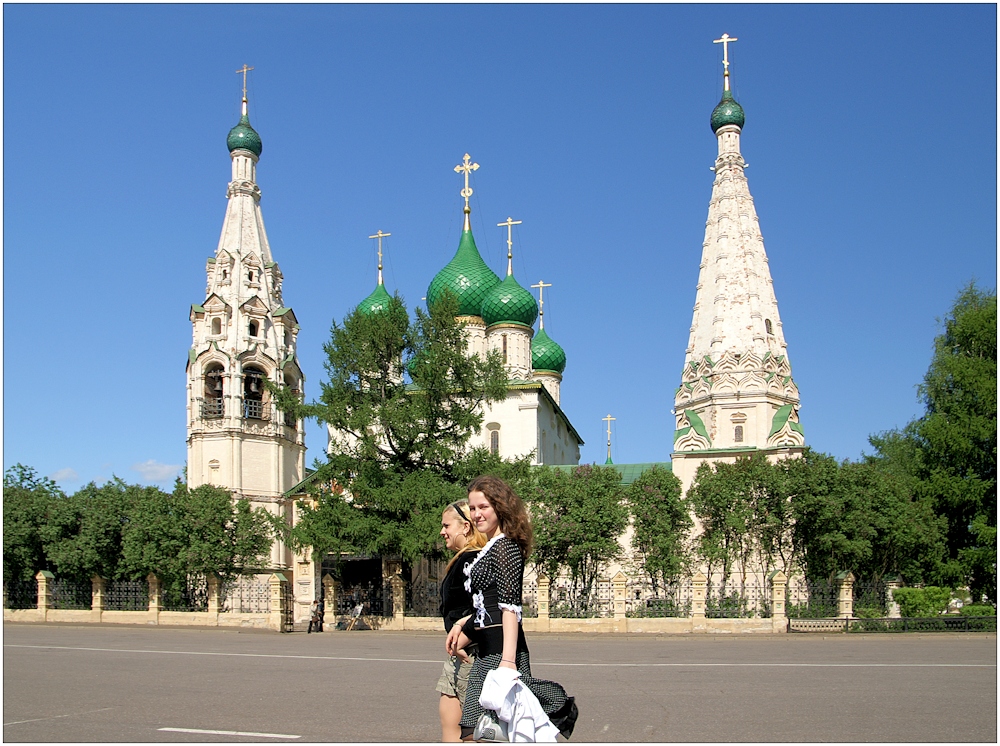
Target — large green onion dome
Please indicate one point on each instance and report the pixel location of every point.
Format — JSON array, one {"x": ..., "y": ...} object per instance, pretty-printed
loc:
[
  {"x": 727, "y": 112},
  {"x": 546, "y": 354},
  {"x": 467, "y": 276},
  {"x": 377, "y": 302},
  {"x": 509, "y": 303},
  {"x": 244, "y": 137}
]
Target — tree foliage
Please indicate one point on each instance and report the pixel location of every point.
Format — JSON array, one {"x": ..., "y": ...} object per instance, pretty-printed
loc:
[
  {"x": 28, "y": 501},
  {"x": 661, "y": 524},
  {"x": 577, "y": 518}
]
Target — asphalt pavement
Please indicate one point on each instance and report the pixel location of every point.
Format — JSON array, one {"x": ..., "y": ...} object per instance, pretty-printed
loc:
[{"x": 109, "y": 683}]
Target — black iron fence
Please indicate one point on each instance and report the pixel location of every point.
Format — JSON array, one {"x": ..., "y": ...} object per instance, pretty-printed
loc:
[
  {"x": 567, "y": 602},
  {"x": 671, "y": 600},
  {"x": 737, "y": 600},
  {"x": 71, "y": 594},
  {"x": 187, "y": 594},
  {"x": 126, "y": 595},
  {"x": 374, "y": 598},
  {"x": 246, "y": 594},
  {"x": 20, "y": 594},
  {"x": 423, "y": 598},
  {"x": 871, "y": 599},
  {"x": 944, "y": 623},
  {"x": 811, "y": 599}
]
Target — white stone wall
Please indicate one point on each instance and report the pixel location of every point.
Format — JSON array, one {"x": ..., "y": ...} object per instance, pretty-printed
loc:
[
  {"x": 526, "y": 421},
  {"x": 514, "y": 342}
]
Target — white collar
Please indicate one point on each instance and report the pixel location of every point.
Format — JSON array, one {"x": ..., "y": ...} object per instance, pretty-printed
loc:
[{"x": 484, "y": 550}]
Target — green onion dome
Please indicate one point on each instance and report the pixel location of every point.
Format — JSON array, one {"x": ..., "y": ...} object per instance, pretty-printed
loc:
[
  {"x": 377, "y": 302},
  {"x": 244, "y": 137},
  {"x": 727, "y": 112},
  {"x": 467, "y": 276},
  {"x": 509, "y": 303},
  {"x": 546, "y": 354}
]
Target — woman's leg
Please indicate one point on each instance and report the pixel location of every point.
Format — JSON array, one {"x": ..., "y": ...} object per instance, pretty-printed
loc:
[{"x": 450, "y": 709}]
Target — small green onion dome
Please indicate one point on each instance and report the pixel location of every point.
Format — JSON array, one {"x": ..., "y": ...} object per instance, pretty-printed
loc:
[
  {"x": 727, "y": 112},
  {"x": 467, "y": 276},
  {"x": 509, "y": 303},
  {"x": 377, "y": 302},
  {"x": 245, "y": 137},
  {"x": 546, "y": 354}
]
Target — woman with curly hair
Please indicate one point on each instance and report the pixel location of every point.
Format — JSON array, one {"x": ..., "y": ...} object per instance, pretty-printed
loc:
[{"x": 495, "y": 581}]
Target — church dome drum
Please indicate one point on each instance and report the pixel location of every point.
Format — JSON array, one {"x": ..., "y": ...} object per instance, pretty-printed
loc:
[
  {"x": 467, "y": 276},
  {"x": 546, "y": 354},
  {"x": 509, "y": 303}
]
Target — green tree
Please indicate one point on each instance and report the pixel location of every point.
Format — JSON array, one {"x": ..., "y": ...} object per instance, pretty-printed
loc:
[
  {"x": 577, "y": 518},
  {"x": 661, "y": 524},
  {"x": 28, "y": 502}
]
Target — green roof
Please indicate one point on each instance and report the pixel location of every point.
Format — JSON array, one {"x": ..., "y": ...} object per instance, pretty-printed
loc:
[
  {"x": 509, "y": 303},
  {"x": 546, "y": 354},
  {"x": 629, "y": 472},
  {"x": 727, "y": 112},
  {"x": 377, "y": 302},
  {"x": 245, "y": 137},
  {"x": 467, "y": 276}
]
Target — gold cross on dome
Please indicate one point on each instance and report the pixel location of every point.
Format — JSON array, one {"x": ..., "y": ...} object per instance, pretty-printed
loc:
[
  {"x": 725, "y": 42},
  {"x": 510, "y": 224},
  {"x": 609, "y": 419},
  {"x": 467, "y": 167},
  {"x": 541, "y": 303},
  {"x": 244, "y": 70},
  {"x": 380, "y": 235}
]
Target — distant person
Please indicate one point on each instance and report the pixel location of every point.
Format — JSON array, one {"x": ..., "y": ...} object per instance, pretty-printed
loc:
[
  {"x": 313, "y": 617},
  {"x": 321, "y": 608},
  {"x": 495, "y": 581},
  {"x": 461, "y": 537}
]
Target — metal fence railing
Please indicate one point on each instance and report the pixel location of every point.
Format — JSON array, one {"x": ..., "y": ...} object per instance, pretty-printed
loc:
[
  {"x": 375, "y": 599},
  {"x": 671, "y": 600},
  {"x": 737, "y": 600},
  {"x": 811, "y": 599},
  {"x": 871, "y": 599},
  {"x": 20, "y": 594},
  {"x": 187, "y": 594},
  {"x": 71, "y": 594},
  {"x": 126, "y": 595},
  {"x": 247, "y": 594}
]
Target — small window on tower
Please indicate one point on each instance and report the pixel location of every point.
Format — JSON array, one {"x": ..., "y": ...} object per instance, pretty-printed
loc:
[
  {"x": 225, "y": 275},
  {"x": 767, "y": 326},
  {"x": 216, "y": 326},
  {"x": 250, "y": 275},
  {"x": 738, "y": 434},
  {"x": 254, "y": 327},
  {"x": 495, "y": 442},
  {"x": 503, "y": 340}
]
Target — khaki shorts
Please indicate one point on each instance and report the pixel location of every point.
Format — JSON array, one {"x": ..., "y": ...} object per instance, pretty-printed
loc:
[{"x": 455, "y": 678}]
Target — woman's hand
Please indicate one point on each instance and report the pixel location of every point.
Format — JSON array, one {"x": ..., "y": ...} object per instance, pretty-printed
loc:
[
  {"x": 463, "y": 656},
  {"x": 456, "y": 639}
]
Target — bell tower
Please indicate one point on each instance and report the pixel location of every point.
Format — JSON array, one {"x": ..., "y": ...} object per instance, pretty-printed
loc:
[
  {"x": 242, "y": 334},
  {"x": 736, "y": 392}
]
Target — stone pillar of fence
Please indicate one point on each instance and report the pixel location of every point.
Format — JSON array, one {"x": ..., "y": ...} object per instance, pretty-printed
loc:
[
  {"x": 892, "y": 608},
  {"x": 331, "y": 589},
  {"x": 398, "y": 598},
  {"x": 44, "y": 578},
  {"x": 698, "y": 584},
  {"x": 214, "y": 586},
  {"x": 97, "y": 588},
  {"x": 277, "y": 608},
  {"x": 779, "y": 589},
  {"x": 155, "y": 598},
  {"x": 542, "y": 600},
  {"x": 845, "y": 595},
  {"x": 618, "y": 583}
]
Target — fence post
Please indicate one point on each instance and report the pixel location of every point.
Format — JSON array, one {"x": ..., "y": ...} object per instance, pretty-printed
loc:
[
  {"x": 155, "y": 598},
  {"x": 331, "y": 589},
  {"x": 97, "y": 587},
  {"x": 618, "y": 583},
  {"x": 278, "y": 606},
  {"x": 398, "y": 598},
  {"x": 779, "y": 588},
  {"x": 214, "y": 586},
  {"x": 892, "y": 608},
  {"x": 698, "y": 583},
  {"x": 542, "y": 600},
  {"x": 44, "y": 578},
  {"x": 845, "y": 596}
]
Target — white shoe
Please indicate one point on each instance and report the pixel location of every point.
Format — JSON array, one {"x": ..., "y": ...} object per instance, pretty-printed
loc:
[{"x": 487, "y": 730}]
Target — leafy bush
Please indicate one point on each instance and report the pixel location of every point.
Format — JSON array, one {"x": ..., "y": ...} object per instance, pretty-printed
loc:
[
  {"x": 978, "y": 610},
  {"x": 922, "y": 602}
]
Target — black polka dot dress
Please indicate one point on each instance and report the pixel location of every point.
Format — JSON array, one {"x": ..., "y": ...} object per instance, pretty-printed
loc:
[{"x": 494, "y": 581}]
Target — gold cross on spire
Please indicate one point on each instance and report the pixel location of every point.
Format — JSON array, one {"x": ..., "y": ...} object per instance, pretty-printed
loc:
[
  {"x": 609, "y": 420},
  {"x": 510, "y": 224},
  {"x": 725, "y": 41},
  {"x": 541, "y": 304},
  {"x": 244, "y": 70},
  {"x": 467, "y": 167},
  {"x": 380, "y": 235}
]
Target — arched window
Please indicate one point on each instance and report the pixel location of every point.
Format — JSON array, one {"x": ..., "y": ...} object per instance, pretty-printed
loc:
[
  {"x": 738, "y": 434},
  {"x": 212, "y": 402},
  {"x": 253, "y": 394},
  {"x": 254, "y": 327},
  {"x": 503, "y": 340},
  {"x": 495, "y": 442},
  {"x": 767, "y": 326},
  {"x": 216, "y": 325},
  {"x": 293, "y": 384},
  {"x": 225, "y": 275},
  {"x": 250, "y": 276}
]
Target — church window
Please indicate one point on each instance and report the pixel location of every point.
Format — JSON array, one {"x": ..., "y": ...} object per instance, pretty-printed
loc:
[
  {"x": 250, "y": 275},
  {"x": 225, "y": 275},
  {"x": 254, "y": 327},
  {"x": 738, "y": 434},
  {"x": 253, "y": 394},
  {"x": 767, "y": 326},
  {"x": 503, "y": 340},
  {"x": 212, "y": 402},
  {"x": 495, "y": 442},
  {"x": 216, "y": 326}
]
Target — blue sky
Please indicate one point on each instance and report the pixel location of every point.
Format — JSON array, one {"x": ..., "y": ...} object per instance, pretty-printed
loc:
[{"x": 870, "y": 133}]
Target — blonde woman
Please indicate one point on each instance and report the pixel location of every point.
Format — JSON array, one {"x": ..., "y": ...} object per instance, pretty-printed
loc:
[{"x": 462, "y": 537}]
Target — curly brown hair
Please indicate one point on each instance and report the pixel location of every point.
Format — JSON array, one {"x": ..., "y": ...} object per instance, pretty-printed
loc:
[{"x": 510, "y": 510}]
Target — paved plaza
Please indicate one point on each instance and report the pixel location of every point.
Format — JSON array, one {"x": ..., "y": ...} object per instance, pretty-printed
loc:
[{"x": 104, "y": 683}]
